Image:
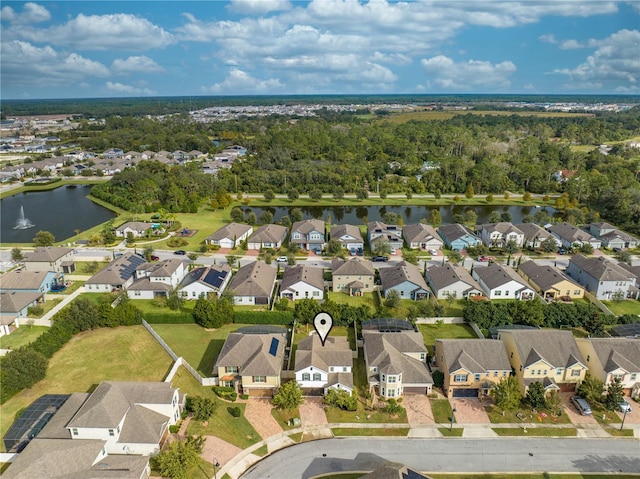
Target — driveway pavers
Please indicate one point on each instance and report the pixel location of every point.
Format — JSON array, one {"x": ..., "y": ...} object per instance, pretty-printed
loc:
[
  {"x": 312, "y": 412},
  {"x": 574, "y": 415},
  {"x": 469, "y": 411},
  {"x": 258, "y": 413},
  {"x": 221, "y": 451},
  {"x": 418, "y": 409}
]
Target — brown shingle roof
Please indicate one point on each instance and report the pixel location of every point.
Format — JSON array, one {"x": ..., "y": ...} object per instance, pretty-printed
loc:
[
  {"x": 558, "y": 348},
  {"x": 475, "y": 355},
  {"x": 353, "y": 266},
  {"x": 251, "y": 354},
  {"x": 269, "y": 234},
  {"x": 254, "y": 279},
  {"x": 311, "y": 352},
  {"x": 496, "y": 275},
  {"x": 544, "y": 276},
  {"x": 601, "y": 268},
  {"x": 310, "y": 275},
  {"x": 448, "y": 274},
  {"x": 398, "y": 274},
  {"x": 231, "y": 231},
  {"x": 47, "y": 254}
]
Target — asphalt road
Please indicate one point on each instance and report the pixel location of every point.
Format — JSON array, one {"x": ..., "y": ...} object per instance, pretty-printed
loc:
[{"x": 454, "y": 455}]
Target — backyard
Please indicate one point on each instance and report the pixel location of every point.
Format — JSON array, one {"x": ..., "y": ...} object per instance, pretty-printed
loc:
[
  {"x": 21, "y": 336},
  {"x": 628, "y": 306},
  {"x": 431, "y": 332}
]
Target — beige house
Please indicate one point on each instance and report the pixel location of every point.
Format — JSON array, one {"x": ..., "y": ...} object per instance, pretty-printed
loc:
[
  {"x": 613, "y": 358},
  {"x": 354, "y": 276},
  {"x": 549, "y": 282},
  {"x": 251, "y": 360},
  {"x": 50, "y": 258},
  {"x": 471, "y": 367},
  {"x": 548, "y": 356}
]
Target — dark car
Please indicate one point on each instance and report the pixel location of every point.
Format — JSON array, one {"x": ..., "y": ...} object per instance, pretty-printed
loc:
[
  {"x": 155, "y": 258},
  {"x": 181, "y": 252},
  {"x": 378, "y": 259}
]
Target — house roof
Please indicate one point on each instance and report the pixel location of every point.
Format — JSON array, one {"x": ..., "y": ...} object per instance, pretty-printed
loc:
[
  {"x": 135, "y": 225},
  {"x": 143, "y": 425},
  {"x": 252, "y": 353},
  {"x": 161, "y": 269},
  {"x": 454, "y": 231},
  {"x": 496, "y": 275},
  {"x": 23, "y": 279},
  {"x": 420, "y": 233},
  {"x": 399, "y": 273},
  {"x": 311, "y": 352},
  {"x": 16, "y": 301},
  {"x": 532, "y": 230},
  {"x": 504, "y": 228},
  {"x": 475, "y": 355},
  {"x": 544, "y": 276},
  {"x": 345, "y": 379},
  {"x": 571, "y": 233},
  {"x": 442, "y": 276},
  {"x": 307, "y": 274},
  {"x": 617, "y": 234},
  {"x": 269, "y": 234},
  {"x": 387, "y": 352},
  {"x": 618, "y": 353},
  {"x": 254, "y": 279},
  {"x": 352, "y": 267},
  {"x": 601, "y": 268},
  {"x": 211, "y": 276},
  {"x": 47, "y": 254},
  {"x": 56, "y": 428},
  {"x": 145, "y": 284},
  {"x": 392, "y": 232},
  {"x": 339, "y": 231},
  {"x": 307, "y": 226},
  {"x": 231, "y": 231},
  {"x": 118, "y": 271},
  {"x": 558, "y": 348}
]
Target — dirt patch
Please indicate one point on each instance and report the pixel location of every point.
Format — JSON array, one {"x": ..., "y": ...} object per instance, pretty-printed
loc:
[
  {"x": 258, "y": 413},
  {"x": 418, "y": 409},
  {"x": 312, "y": 412},
  {"x": 469, "y": 411}
]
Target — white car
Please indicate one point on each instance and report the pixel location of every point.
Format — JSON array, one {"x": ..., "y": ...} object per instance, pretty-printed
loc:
[
  {"x": 625, "y": 406},
  {"x": 433, "y": 252},
  {"x": 282, "y": 259}
]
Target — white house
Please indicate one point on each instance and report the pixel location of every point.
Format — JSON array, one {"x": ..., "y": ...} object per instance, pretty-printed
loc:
[
  {"x": 322, "y": 367},
  {"x": 204, "y": 281},
  {"x": 452, "y": 281},
  {"x": 350, "y": 237},
  {"x": 116, "y": 276},
  {"x": 230, "y": 235},
  {"x": 421, "y": 236},
  {"x": 302, "y": 282},
  {"x": 138, "y": 229},
  {"x": 268, "y": 236},
  {"x": 253, "y": 284},
  {"x": 157, "y": 279},
  {"x": 502, "y": 282},
  {"x": 499, "y": 234}
]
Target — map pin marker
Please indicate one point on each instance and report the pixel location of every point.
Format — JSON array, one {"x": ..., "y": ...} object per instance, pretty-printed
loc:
[{"x": 323, "y": 323}]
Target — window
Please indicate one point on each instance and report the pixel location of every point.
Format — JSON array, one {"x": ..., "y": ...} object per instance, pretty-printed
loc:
[
  {"x": 391, "y": 379},
  {"x": 588, "y": 357},
  {"x": 477, "y": 377},
  {"x": 259, "y": 379},
  {"x": 112, "y": 432},
  {"x": 422, "y": 356},
  {"x": 384, "y": 378},
  {"x": 74, "y": 431},
  {"x": 575, "y": 372},
  {"x": 504, "y": 374},
  {"x": 633, "y": 377},
  {"x": 495, "y": 374},
  {"x": 344, "y": 369},
  {"x": 316, "y": 293},
  {"x": 498, "y": 293},
  {"x": 383, "y": 391},
  {"x": 317, "y": 377},
  {"x": 391, "y": 393},
  {"x": 460, "y": 378},
  {"x": 576, "y": 292},
  {"x": 231, "y": 369},
  {"x": 558, "y": 371},
  {"x": 330, "y": 369},
  {"x": 617, "y": 376},
  {"x": 544, "y": 372},
  {"x": 306, "y": 376},
  {"x": 137, "y": 293}
]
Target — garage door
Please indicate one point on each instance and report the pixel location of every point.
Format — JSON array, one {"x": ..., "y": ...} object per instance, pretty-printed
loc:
[{"x": 465, "y": 393}]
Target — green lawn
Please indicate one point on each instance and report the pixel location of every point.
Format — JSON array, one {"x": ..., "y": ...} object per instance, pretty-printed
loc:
[
  {"x": 84, "y": 267},
  {"x": 628, "y": 306},
  {"x": 431, "y": 332},
  {"x": 202, "y": 470},
  {"x": 343, "y": 298},
  {"x": 441, "y": 411},
  {"x": 511, "y": 417},
  {"x": 285, "y": 417},
  {"x": 453, "y": 308},
  {"x": 21, "y": 336},
  {"x": 386, "y": 431},
  {"x": 237, "y": 431},
  {"x": 198, "y": 346},
  {"x": 536, "y": 431},
  {"x": 127, "y": 353},
  {"x": 454, "y": 432}
]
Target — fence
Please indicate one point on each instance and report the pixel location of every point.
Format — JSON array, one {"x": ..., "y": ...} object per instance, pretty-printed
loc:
[
  {"x": 32, "y": 322},
  {"x": 445, "y": 320}
]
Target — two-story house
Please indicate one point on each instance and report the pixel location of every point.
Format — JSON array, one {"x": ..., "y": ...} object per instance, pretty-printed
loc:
[
  {"x": 230, "y": 235},
  {"x": 322, "y": 367},
  {"x": 309, "y": 235},
  {"x": 471, "y": 367},
  {"x": 50, "y": 258},
  {"x": 502, "y": 282},
  {"x": 267, "y": 236},
  {"x": 406, "y": 279},
  {"x": 251, "y": 360},
  {"x": 452, "y": 281},
  {"x": 458, "y": 237},
  {"x": 612, "y": 237},
  {"x": 354, "y": 276},
  {"x": 573, "y": 237},
  {"x": 379, "y": 232},
  {"x": 302, "y": 282},
  {"x": 499, "y": 234},
  {"x": 613, "y": 358},
  {"x": 549, "y": 282},
  {"x": 116, "y": 276},
  {"x": 603, "y": 277},
  {"x": 349, "y": 236},
  {"x": 204, "y": 281},
  {"x": 157, "y": 279},
  {"x": 535, "y": 235},
  {"x": 421, "y": 236},
  {"x": 550, "y": 357}
]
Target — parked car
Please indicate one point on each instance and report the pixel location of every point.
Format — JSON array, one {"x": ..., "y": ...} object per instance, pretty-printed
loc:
[
  {"x": 378, "y": 259},
  {"x": 360, "y": 252},
  {"x": 155, "y": 258},
  {"x": 180, "y": 252},
  {"x": 484, "y": 259},
  {"x": 433, "y": 252},
  {"x": 281, "y": 259},
  {"x": 625, "y": 406},
  {"x": 581, "y": 405},
  {"x": 562, "y": 251}
]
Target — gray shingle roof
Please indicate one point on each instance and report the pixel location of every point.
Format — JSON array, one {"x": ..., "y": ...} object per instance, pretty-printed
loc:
[
  {"x": 571, "y": 233},
  {"x": 475, "y": 355},
  {"x": 161, "y": 269},
  {"x": 307, "y": 226},
  {"x": 496, "y": 275},
  {"x": 532, "y": 230},
  {"x": 338, "y": 231},
  {"x": 310, "y": 275},
  {"x": 352, "y": 267},
  {"x": 615, "y": 353},
  {"x": 442, "y": 276},
  {"x": 56, "y": 428},
  {"x": 558, "y": 348},
  {"x": 47, "y": 254},
  {"x": 504, "y": 227},
  {"x": 22, "y": 279},
  {"x": 601, "y": 268},
  {"x": 420, "y": 233},
  {"x": 135, "y": 225},
  {"x": 311, "y": 352},
  {"x": 254, "y": 279},
  {"x": 230, "y": 231},
  {"x": 119, "y": 271},
  {"x": 399, "y": 273},
  {"x": 544, "y": 276},
  {"x": 269, "y": 234},
  {"x": 15, "y": 301},
  {"x": 454, "y": 231},
  {"x": 250, "y": 353}
]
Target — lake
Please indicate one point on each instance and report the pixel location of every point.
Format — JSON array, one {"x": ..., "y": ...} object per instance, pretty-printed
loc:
[{"x": 59, "y": 211}]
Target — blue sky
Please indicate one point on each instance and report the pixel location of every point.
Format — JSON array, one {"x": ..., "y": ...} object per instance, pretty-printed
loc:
[{"x": 77, "y": 49}]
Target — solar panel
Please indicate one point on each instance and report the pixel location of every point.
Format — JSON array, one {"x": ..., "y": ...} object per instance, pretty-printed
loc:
[
  {"x": 215, "y": 278},
  {"x": 273, "y": 349}
]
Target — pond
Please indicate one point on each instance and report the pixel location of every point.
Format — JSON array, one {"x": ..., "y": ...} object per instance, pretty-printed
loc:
[
  {"x": 410, "y": 214},
  {"x": 60, "y": 211}
]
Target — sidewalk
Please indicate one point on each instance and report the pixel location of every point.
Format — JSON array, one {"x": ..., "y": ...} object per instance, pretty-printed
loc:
[{"x": 63, "y": 303}]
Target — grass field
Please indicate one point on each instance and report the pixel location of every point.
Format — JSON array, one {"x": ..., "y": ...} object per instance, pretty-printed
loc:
[
  {"x": 431, "y": 332},
  {"x": 628, "y": 306},
  {"x": 21, "y": 336},
  {"x": 540, "y": 417},
  {"x": 427, "y": 115},
  {"x": 343, "y": 298},
  {"x": 441, "y": 411},
  {"x": 108, "y": 354},
  {"x": 536, "y": 431}
]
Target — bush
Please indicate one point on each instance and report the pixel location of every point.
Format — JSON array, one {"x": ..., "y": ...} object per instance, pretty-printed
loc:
[
  {"x": 244, "y": 396},
  {"x": 169, "y": 318},
  {"x": 177, "y": 242},
  {"x": 36, "y": 310},
  {"x": 226, "y": 392},
  {"x": 341, "y": 399},
  {"x": 438, "y": 378},
  {"x": 202, "y": 408},
  {"x": 263, "y": 317},
  {"x": 289, "y": 396},
  {"x": 174, "y": 429},
  {"x": 235, "y": 411},
  {"x": 22, "y": 369},
  {"x": 393, "y": 408}
]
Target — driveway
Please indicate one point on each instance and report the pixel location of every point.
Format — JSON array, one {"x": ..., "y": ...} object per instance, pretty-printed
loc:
[
  {"x": 221, "y": 451},
  {"x": 312, "y": 412},
  {"x": 258, "y": 413},
  {"x": 418, "y": 409},
  {"x": 571, "y": 411},
  {"x": 469, "y": 411},
  {"x": 633, "y": 417}
]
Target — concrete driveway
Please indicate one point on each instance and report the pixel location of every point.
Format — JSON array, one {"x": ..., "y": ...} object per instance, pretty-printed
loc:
[{"x": 469, "y": 411}]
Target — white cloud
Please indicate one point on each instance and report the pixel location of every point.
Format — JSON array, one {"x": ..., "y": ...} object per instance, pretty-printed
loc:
[
  {"x": 446, "y": 74},
  {"x": 139, "y": 64},
  {"x": 615, "y": 61},
  {"x": 548, "y": 38},
  {"x": 102, "y": 32},
  {"x": 121, "y": 88},
  {"x": 240, "y": 82},
  {"x": 24, "y": 63},
  {"x": 258, "y": 6},
  {"x": 31, "y": 13},
  {"x": 392, "y": 58},
  {"x": 570, "y": 45}
]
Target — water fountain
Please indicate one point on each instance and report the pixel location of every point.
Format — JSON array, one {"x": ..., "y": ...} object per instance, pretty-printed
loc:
[{"x": 23, "y": 223}]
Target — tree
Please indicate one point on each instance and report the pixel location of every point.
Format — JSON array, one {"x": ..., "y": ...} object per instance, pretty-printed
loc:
[
  {"x": 382, "y": 248},
  {"x": 585, "y": 248},
  {"x": 470, "y": 192},
  {"x": 175, "y": 301},
  {"x": 203, "y": 311},
  {"x": 591, "y": 389},
  {"x": 202, "y": 408},
  {"x": 455, "y": 257},
  {"x": 16, "y": 255},
  {"x": 341, "y": 399},
  {"x": 410, "y": 256},
  {"x": 614, "y": 396},
  {"x": 623, "y": 256},
  {"x": 438, "y": 378},
  {"x": 490, "y": 198},
  {"x": 266, "y": 217},
  {"x": 526, "y": 197},
  {"x": 178, "y": 458},
  {"x": 289, "y": 396},
  {"x": 148, "y": 252},
  {"x": 494, "y": 217},
  {"x": 338, "y": 193},
  {"x": 305, "y": 310},
  {"x": 511, "y": 247},
  {"x": 362, "y": 194},
  {"x": 554, "y": 403},
  {"x": 436, "y": 218},
  {"x": 44, "y": 238},
  {"x": 269, "y": 196},
  {"x": 334, "y": 247},
  {"x": 236, "y": 215},
  {"x": 594, "y": 323},
  {"x": 252, "y": 219},
  {"x": 315, "y": 194},
  {"x": 506, "y": 394},
  {"x": 535, "y": 395},
  {"x": 21, "y": 369},
  {"x": 293, "y": 194},
  {"x": 295, "y": 214},
  {"x": 549, "y": 245},
  {"x": 392, "y": 300}
]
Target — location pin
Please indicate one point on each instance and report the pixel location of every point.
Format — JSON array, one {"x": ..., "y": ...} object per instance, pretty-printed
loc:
[{"x": 323, "y": 323}]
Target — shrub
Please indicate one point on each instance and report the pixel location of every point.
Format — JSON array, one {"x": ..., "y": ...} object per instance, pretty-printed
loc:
[
  {"x": 393, "y": 408},
  {"x": 202, "y": 408},
  {"x": 244, "y": 396},
  {"x": 263, "y": 317},
  {"x": 169, "y": 318},
  {"x": 438, "y": 378},
  {"x": 235, "y": 411},
  {"x": 289, "y": 396},
  {"x": 36, "y": 310},
  {"x": 174, "y": 429},
  {"x": 341, "y": 399},
  {"x": 22, "y": 369},
  {"x": 175, "y": 242},
  {"x": 226, "y": 393}
]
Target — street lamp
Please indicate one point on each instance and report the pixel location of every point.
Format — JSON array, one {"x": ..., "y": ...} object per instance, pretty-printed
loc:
[
  {"x": 216, "y": 464},
  {"x": 624, "y": 416},
  {"x": 453, "y": 411}
]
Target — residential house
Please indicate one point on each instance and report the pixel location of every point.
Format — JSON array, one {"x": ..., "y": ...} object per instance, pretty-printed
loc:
[
  {"x": 612, "y": 237},
  {"x": 547, "y": 356},
  {"x": 251, "y": 360},
  {"x": 613, "y": 358},
  {"x": 458, "y": 237},
  {"x": 471, "y": 367},
  {"x": 382, "y": 233},
  {"x": 603, "y": 277},
  {"x": 354, "y": 276},
  {"x": 499, "y": 234},
  {"x": 320, "y": 367},
  {"x": 502, "y": 282},
  {"x": 562, "y": 176},
  {"x": 302, "y": 282},
  {"x": 421, "y": 236},
  {"x": 572, "y": 236},
  {"x": 350, "y": 237},
  {"x": 157, "y": 279},
  {"x": 50, "y": 258},
  {"x": 406, "y": 279},
  {"x": 138, "y": 229},
  {"x": 535, "y": 235},
  {"x": 395, "y": 359},
  {"x": 116, "y": 276},
  {"x": 21, "y": 280},
  {"x": 253, "y": 283},
  {"x": 113, "y": 153},
  {"x": 204, "y": 281},
  {"x": 308, "y": 235},
  {"x": 15, "y": 305},
  {"x": 268, "y": 236},
  {"x": 549, "y": 282},
  {"x": 230, "y": 235},
  {"x": 452, "y": 281}
]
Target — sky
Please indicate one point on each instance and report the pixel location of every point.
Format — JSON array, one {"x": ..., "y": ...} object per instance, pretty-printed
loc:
[{"x": 90, "y": 49}]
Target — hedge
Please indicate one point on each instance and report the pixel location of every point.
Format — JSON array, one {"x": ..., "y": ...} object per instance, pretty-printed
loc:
[
  {"x": 169, "y": 318},
  {"x": 263, "y": 317}
]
